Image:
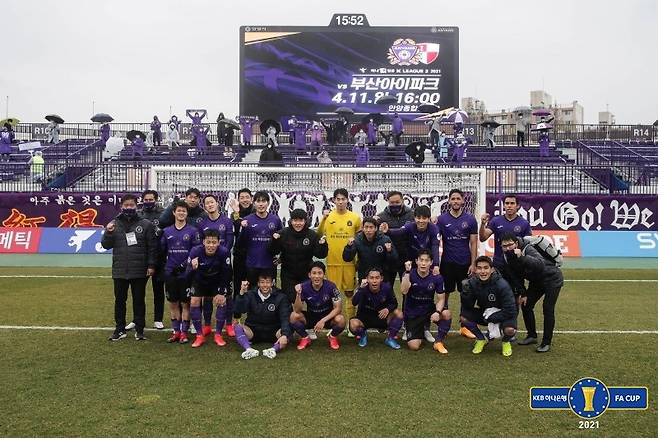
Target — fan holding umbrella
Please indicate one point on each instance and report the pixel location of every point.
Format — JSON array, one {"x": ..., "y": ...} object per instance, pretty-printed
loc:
[
  {"x": 458, "y": 117},
  {"x": 104, "y": 130},
  {"x": 270, "y": 129},
  {"x": 489, "y": 130},
  {"x": 136, "y": 137},
  {"x": 52, "y": 130}
]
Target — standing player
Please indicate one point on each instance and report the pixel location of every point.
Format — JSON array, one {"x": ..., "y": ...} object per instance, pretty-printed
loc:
[
  {"x": 395, "y": 215},
  {"x": 255, "y": 236},
  {"x": 241, "y": 208},
  {"x": 419, "y": 286},
  {"x": 487, "y": 299},
  {"x": 224, "y": 227},
  {"x": 323, "y": 308},
  {"x": 194, "y": 211},
  {"x": 268, "y": 317},
  {"x": 499, "y": 225},
  {"x": 371, "y": 248},
  {"x": 297, "y": 245},
  {"x": 377, "y": 308},
  {"x": 209, "y": 271},
  {"x": 459, "y": 236},
  {"x": 339, "y": 226},
  {"x": 176, "y": 242}
]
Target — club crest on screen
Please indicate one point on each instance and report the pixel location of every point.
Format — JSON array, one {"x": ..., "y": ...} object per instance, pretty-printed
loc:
[{"x": 405, "y": 51}]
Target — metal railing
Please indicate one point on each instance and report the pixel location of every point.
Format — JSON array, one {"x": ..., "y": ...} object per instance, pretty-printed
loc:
[{"x": 591, "y": 177}]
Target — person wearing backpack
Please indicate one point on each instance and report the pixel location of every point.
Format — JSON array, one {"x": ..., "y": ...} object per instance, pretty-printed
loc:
[{"x": 534, "y": 259}]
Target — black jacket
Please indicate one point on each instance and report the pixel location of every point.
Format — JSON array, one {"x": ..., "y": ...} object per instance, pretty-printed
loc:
[
  {"x": 272, "y": 313},
  {"x": 540, "y": 272},
  {"x": 194, "y": 216},
  {"x": 297, "y": 250},
  {"x": 396, "y": 221},
  {"x": 371, "y": 254},
  {"x": 270, "y": 157},
  {"x": 495, "y": 292},
  {"x": 129, "y": 262}
]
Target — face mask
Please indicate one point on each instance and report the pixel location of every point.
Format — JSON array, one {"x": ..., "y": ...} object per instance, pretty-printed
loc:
[
  {"x": 395, "y": 209},
  {"x": 149, "y": 205},
  {"x": 129, "y": 212}
]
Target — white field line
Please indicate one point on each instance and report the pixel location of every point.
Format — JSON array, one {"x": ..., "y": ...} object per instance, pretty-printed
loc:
[
  {"x": 598, "y": 280},
  {"x": 564, "y": 332}
]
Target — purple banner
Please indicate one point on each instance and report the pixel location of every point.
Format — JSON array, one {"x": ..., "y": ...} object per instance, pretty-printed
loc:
[{"x": 544, "y": 212}]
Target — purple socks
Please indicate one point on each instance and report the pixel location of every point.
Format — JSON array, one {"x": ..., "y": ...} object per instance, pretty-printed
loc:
[
  {"x": 394, "y": 326},
  {"x": 220, "y": 318},
  {"x": 473, "y": 327},
  {"x": 336, "y": 330},
  {"x": 207, "y": 310},
  {"x": 444, "y": 328},
  {"x": 195, "y": 314},
  {"x": 185, "y": 326},
  {"x": 241, "y": 337},
  {"x": 175, "y": 325},
  {"x": 299, "y": 328}
]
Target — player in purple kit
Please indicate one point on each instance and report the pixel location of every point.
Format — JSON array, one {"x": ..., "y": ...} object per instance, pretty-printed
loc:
[
  {"x": 418, "y": 287},
  {"x": 268, "y": 317},
  {"x": 255, "y": 236},
  {"x": 510, "y": 222},
  {"x": 224, "y": 226},
  {"x": 459, "y": 236},
  {"x": 209, "y": 271},
  {"x": 323, "y": 308},
  {"x": 176, "y": 242},
  {"x": 377, "y": 308}
]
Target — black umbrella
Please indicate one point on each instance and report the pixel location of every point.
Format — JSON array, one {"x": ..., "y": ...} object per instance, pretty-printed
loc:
[
  {"x": 490, "y": 123},
  {"x": 232, "y": 123},
  {"x": 387, "y": 99},
  {"x": 54, "y": 118},
  {"x": 13, "y": 121},
  {"x": 132, "y": 135},
  {"x": 377, "y": 118},
  {"x": 428, "y": 108},
  {"x": 415, "y": 153},
  {"x": 344, "y": 110},
  {"x": 102, "y": 118},
  {"x": 265, "y": 124}
]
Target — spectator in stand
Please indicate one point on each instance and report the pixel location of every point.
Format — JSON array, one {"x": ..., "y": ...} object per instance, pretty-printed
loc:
[
  {"x": 520, "y": 130},
  {"x": 155, "y": 129},
  {"x": 6, "y": 138}
]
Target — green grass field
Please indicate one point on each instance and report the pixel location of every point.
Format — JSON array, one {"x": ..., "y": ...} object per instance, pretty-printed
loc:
[{"x": 76, "y": 383}]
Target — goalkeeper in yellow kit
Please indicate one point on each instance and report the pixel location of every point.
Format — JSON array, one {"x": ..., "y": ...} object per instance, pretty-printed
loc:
[{"x": 339, "y": 226}]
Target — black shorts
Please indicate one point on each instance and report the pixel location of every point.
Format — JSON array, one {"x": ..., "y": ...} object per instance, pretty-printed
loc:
[
  {"x": 415, "y": 327},
  {"x": 312, "y": 318},
  {"x": 264, "y": 334},
  {"x": 177, "y": 289},
  {"x": 453, "y": 274},
  {"x": 204, "y": 290},
  {"x": 477, "y": 317},
  {"x": 372, "y": 321}
]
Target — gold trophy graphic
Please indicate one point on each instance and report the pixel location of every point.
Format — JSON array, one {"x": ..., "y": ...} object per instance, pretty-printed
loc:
[{"x": 588, "y": 395}]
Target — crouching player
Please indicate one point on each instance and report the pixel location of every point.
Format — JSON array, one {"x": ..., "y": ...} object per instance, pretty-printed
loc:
[
  {"x": 209, "y": 271},
  {"x": 377, "y": 308},
  {"x": 323, "y": 308},
  {"x": 268, "y": 317},
  {"x": 487, "y": 299},
  {"x": 419, "y": 286}
]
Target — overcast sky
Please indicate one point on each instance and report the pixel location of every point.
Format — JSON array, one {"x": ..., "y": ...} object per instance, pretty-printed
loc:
[{"x": 137, "y": 58}]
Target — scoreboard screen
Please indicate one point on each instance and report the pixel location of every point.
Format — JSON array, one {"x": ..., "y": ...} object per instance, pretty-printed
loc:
[{"x": 311, "y": 71}]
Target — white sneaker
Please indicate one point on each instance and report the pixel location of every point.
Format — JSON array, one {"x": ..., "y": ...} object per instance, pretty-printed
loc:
[
  {"x": 312, "y": 335},
  {"x": 404, "y": 336},
  {"x": 250, "y": 353},
  {"x": 158, "y": 325},
  {"x": 269, "y": 353},
  {"x": 428, "y": 336},
  {"x": 130, "y": 326},
  {"x": 192, "y": 329}
]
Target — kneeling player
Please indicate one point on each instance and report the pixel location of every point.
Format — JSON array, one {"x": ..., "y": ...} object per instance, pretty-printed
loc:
[
  {"x": 209, "y": 269},
  {"x": 419, "y": 286},
  {"x": 323, "y": 308},
  {"x": 377, "y": 308},
  {"x": 268, "y": 316},
  {"x": 487, "y": 299}
]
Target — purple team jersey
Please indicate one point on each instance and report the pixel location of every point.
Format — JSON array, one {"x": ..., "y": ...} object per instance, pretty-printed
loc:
[
  {"x": 255, "y": 238},
  {"x": 417, "y": 240},
  {"x": 320, "y": 301},
  {"x": 176, "y": 245},
  {"x": 456, "y": 234},
  {"x": 501, "y": 225},
  {"x": 371, "y": 303},
  {"x": 419, "y": 300},
  {"x": 214, "y": 271},
  {"x": 223, "y": 225}
]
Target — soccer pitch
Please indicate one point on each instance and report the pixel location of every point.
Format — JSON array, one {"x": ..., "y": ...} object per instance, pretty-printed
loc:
[{"x": 74, "y": 382}]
